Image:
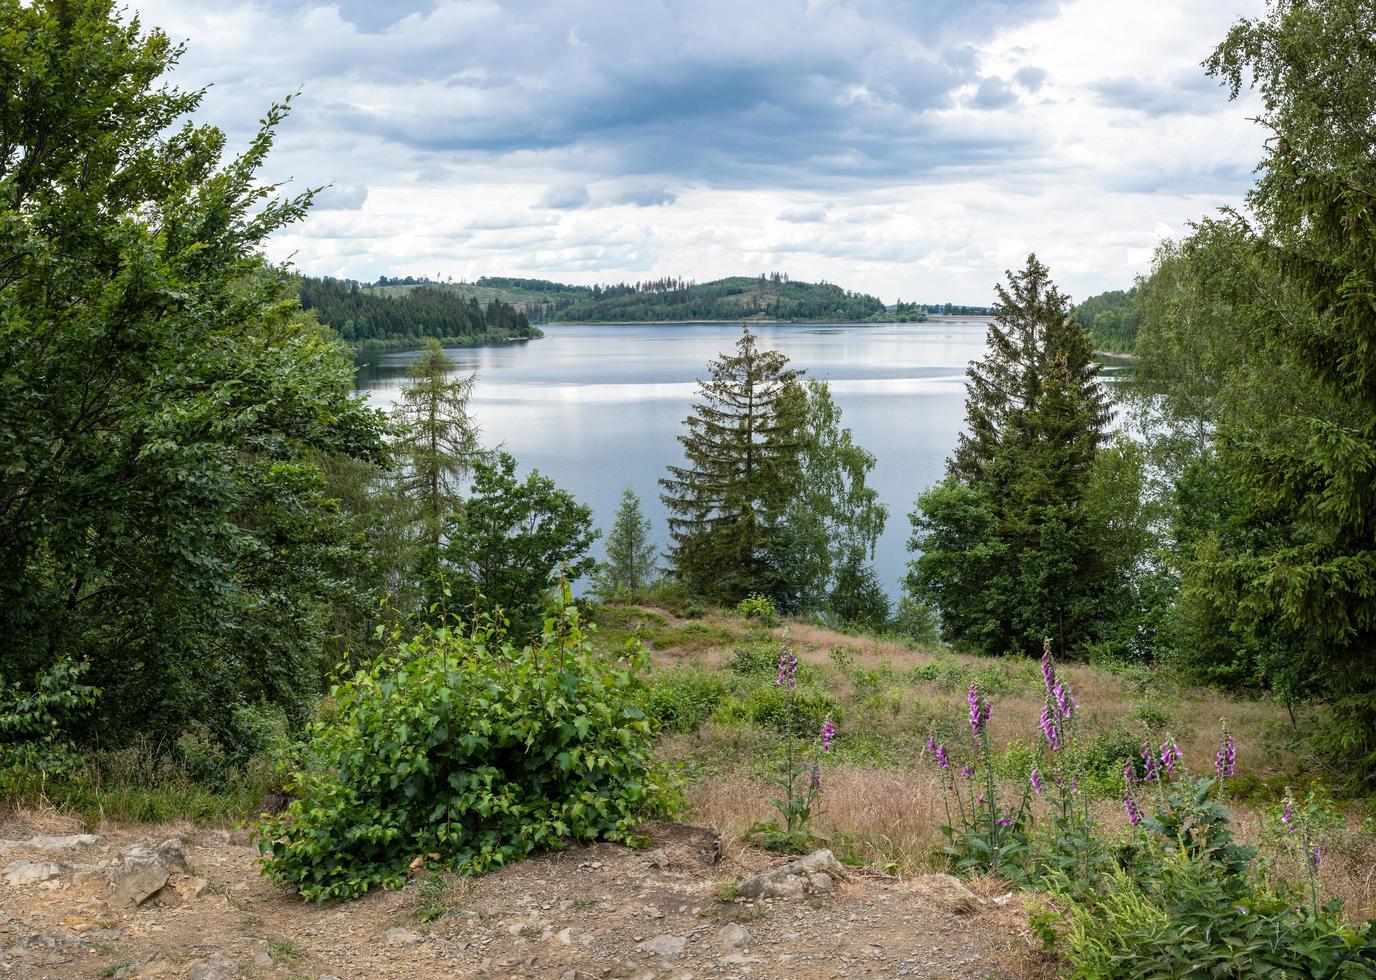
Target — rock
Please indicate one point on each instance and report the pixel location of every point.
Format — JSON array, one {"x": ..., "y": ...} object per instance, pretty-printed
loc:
[
  {"x": 216, "y": 966},
  {"x": 156, "y": 966},
  {"x": 664, "y": 945},
  {"x": 797, "y": 878},
  {"x": 70, "y": 842},
  {"x": 738, "y": 959},
  {"x": 65, "y": 940},
  {"x": 30, "y": 872},
  {"x": 403, "y": 937},
  {"x": 949, "y": 893},
  {"x": 262, "y": 959},
  {"x": 733, "y": 936},
  {"x": 189, "y": 888},
  {"x": 143, "y": 870}
]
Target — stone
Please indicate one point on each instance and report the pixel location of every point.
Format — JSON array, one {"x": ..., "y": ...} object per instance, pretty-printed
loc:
[
  {"x": 142, "y": 871},
  {"x": 733, "y": 936},
  {"x": 189, "y": 888},
  {"x": 738, "y": 959},
  {"x": 216, "y": 966},
  {"x": 796, "y": 879},
  {"x": 69, "y": 842},
  {"x": 949, "y": 893},
  {"x": 403, "y": 937},
  {"x": 664, "y": 945},
  {"x": 30, "y": 872},
  {"x": 157, "y": 966}
]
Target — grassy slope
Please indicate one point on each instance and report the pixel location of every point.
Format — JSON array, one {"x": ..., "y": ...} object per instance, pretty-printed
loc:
[{"x": 882, "y": 803}]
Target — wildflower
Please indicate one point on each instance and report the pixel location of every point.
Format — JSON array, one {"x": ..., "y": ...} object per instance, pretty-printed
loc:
[
  {"x": 977, "y": 713},
  {"x": 1048, "y": 728},
  {"x": 967, "y": 772},
  {"x": 1315, "y": 857},
  {"x": 1048, "y": 670},
  {"x": 1170, "y": 755},
  {"x": 1288, "y": 815},
  {"x": 1035, "y": 778},
  {"x": 1226, "y": 758},
  {"x": 1130, "y": 805},
  {"x": 788, "y": 669},
  {"x": 1129, "y": 774},
  {"x": 981, "y": 798},
  {"x": 931, "y": 743},
  {"x": 941, "y": 759},
  {"x": 1150, "y": 770},
  {"x": 1074, "y": 784},
  {"x": 828, "y": 733},
  {"x": 1006, "y": 820},
  {"x": 814, "y": 778},
  {"x": 1064, "y": 701}
]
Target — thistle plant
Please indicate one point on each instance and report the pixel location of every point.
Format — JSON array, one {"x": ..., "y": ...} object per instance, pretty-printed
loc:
[{"x": 800, "y": 780}]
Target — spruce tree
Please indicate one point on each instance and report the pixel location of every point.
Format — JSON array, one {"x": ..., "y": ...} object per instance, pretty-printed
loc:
[
  {"x": 437, "y": 447},
  {"x": 630, "y": 560},
  {"x": 1008, "y": 554},
  {"x": 740, "y": 447}
]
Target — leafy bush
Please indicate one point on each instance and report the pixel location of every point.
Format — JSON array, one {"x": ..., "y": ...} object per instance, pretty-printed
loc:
[
  {"x": 755, "y": 661},
  {"x": 1176, "y": 915},
  {"x": 801, "y": 713},
  {"x": 916, "y": 622},
  {"x": 944, "y": 671},
  {"x": 31, "y": 720},
  {"x": 680, "y": 700},
  {"x": 459, "y": 745},
  {"x": 758, "y": 607}
]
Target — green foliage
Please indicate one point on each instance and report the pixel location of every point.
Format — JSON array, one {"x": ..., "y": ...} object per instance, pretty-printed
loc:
[
  {"x": 373, "y": 318},
  {"x": 1112, "y": 319},
  {"x": 916, "y": 622},
  {"x": 630, "y": 563},
  {"x": 459, "y": 744},
  {"x": 1009, "y": 553},
  {"x": 32, "y": 721},
  {"x": 1174, "y": 915},
  {"x": 757, "y": 660},
  {"x": 512, "y": 540},
  {"x": 167, "y": 409},
  {"x": 801, "y": 713},
  {"x": 741, "y": 452},
  {"x": 833, "y": 518},
  {"x": 758, "y": 607},
  {"x": 680, "y": 700}
]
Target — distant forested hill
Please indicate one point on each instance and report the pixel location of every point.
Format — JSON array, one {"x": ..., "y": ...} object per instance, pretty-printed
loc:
[
  {"x": 394, "y": 317},
  {"x": 738, "y": 297},
  {"x": 1112, "y": 318}
]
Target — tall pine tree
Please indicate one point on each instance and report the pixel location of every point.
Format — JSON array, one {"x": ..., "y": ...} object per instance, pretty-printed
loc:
[
  {"x": 630, "y": 560},
  {"x": 1008, "y": 554},
  {"x": 740, "y": 449}
]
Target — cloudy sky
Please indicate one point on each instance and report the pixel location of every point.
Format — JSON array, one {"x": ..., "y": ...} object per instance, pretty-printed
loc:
[{"x": 908, "y": 149}]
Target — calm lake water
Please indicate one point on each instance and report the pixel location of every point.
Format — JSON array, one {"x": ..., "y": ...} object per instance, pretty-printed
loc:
[{"x": 598, "y": 407}]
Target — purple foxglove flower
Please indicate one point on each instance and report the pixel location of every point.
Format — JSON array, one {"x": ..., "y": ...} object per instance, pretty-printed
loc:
[
  {"x": 1048, "y": 669},
  {"x": 1130, "y": 805},
  {"x": 1168, "y": 758},
  {"x": 814, "y": 778},
  {"x": 1129, "y": 774},
  {"x": 828, "y": 733},
  {"x": 788, "y": 669},
  {"x": 1048, "y": 728},
  {"x": 975, "y": 714},
  {"x": 1226, "y": 759},
  {"x": 1288, "y": 814},
  {"x": 1005, "y": 821},
  {"x": 1074, "y": 784},
  {"x": 1064, "y": 700},
  {"x": 1315, "y": 858},
  {"x": 967, "y": 772},
  {"x": 981, "y": 798},
  {"x": 1035, "y": 778},
  {"x": 1150, "y": 770},
  {"x": 931, "y": 743},
  {"x": 941, "y": 759}
]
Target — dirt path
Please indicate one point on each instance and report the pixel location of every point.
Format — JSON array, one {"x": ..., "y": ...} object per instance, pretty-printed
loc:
[{"x": 600, "y": 911}]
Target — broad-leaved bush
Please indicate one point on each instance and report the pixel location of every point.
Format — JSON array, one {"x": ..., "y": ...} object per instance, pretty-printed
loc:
[{"x": 463, "y": 750}]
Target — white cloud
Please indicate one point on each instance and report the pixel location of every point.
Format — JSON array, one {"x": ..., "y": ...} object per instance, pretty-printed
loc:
[{"x": 618, "y": 140}]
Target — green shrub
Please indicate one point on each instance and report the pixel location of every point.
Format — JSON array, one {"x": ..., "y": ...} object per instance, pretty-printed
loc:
[
  {"x": 1186, "y": 919},
  {"x": 944, "y": 671},
  {"x": 916, "y": 622},
  {"x": 680, "y": 700},
  {"x": 758, "y": 607},
  {"x": 769, "y": 708},
  {"x": 31, "y": 720},
  {"x": 671, "y": 594},
  {"x": 755, "y": 661},
  {"x": 459, "y": 744}
]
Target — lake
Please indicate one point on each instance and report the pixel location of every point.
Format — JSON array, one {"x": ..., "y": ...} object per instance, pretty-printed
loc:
[{"x": 598, "y": 407}]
